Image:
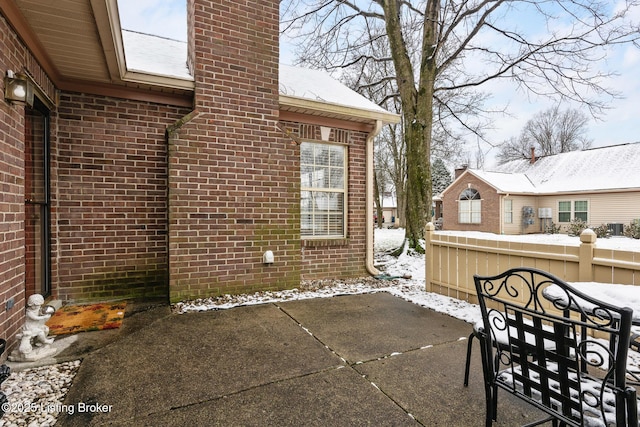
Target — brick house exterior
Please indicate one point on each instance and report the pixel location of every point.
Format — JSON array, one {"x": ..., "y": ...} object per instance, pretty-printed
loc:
[
  {"x": 109, "y": 197},
  {"x": 490, "y": 202},
  {"x": 166, "y": 188},
  {"x": 599, "y": 186}
]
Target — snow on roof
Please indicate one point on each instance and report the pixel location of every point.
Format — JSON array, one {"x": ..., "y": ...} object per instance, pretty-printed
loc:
[
  {"x": 507, "y": 182},
  {"x": 598, "y": 169},
  {"x": 319, "y": 86},
  {"x": 155, "y": 55}
]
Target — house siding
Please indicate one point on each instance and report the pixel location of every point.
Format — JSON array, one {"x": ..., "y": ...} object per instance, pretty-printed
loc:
[
  {"x": 604, "y": 208},
  {"x": 614, "y": 208},
  {"x": 517, "y": 227}
]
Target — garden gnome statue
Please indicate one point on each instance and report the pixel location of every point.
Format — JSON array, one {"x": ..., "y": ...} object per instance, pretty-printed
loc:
[{"x": 34, "y": 343}]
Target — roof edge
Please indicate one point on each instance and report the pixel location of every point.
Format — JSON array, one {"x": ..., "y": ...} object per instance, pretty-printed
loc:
[
  {"x": 135, "y": 76},
  {"x": 332, "y": 108},
  {"x": 117, "y": 50}
]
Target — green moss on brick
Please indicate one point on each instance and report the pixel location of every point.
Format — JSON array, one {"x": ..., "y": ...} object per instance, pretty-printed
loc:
[{"x": 120, "y": 285}]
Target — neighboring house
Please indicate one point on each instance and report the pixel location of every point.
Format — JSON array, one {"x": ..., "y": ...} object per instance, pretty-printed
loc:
[
  {"x": 389, "y": 209},
  {"x": 598, "y": 186},
  {"x": 170, "y": 174}
]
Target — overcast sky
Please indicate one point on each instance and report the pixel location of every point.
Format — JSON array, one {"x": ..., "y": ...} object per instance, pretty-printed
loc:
[{"x": 621, "y": 124}]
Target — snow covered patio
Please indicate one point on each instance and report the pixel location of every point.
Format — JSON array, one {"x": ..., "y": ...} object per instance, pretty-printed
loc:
[{"x": 370, "y": 359}]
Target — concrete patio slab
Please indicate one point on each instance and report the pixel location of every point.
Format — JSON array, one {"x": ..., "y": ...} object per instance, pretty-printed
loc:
[
  {"x": 337, "y": 397},
  {"x": 181, "y": 360},
  {"x": 369, "y": 326},
  {"x": 428, "y": 383},
  {"x": 345, "y": 361}
]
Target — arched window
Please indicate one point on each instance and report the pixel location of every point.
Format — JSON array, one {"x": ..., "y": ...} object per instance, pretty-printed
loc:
[{"x": 469, "y": 207}]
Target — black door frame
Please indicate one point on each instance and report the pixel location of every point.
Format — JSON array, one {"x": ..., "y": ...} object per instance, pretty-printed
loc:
[{"x": 45, "y": 204}]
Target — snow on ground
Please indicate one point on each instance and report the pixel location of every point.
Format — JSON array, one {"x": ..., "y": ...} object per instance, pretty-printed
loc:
[
  {"x": 406, "y": 265},
  {"x": 393, "y": 269},
  {"x": 616, "y": 242}
]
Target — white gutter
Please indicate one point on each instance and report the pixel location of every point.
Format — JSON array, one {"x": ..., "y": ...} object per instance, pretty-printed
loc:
[
  {"x": 369, "y": 199},
  {"x": 329, "y": 109}
]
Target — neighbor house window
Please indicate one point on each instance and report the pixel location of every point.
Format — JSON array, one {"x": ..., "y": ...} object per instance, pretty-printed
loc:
[
  {"x": 323, "y": 189},
  {"x": 469, "y": 207},
  {"x": 580, "y": 208},
  {"x": 508, "y": 211},
  {"x": 564, "y": 211}
]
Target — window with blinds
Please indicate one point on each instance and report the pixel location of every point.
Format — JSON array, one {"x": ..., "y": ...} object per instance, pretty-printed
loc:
[
  {"x": 564, "y": 211},
  {"x": 323, "y": 190}
]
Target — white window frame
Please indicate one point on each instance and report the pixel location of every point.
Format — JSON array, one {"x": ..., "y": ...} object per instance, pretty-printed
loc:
[
  {"x": 560, "y": 202},
  {"x": 585, "y": 211},
  {"x": 508, "y": 211},
  {"x": 469, "y": 209},
  {"x": 316, "y": 222},
  {"x": 573, "y": 211}
]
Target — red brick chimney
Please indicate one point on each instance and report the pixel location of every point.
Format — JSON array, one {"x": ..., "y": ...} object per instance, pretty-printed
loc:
[
  {"x": 533, "y": 155},
  {"x": 459, "y": 171},
  {"x": 223, "y": 157}
]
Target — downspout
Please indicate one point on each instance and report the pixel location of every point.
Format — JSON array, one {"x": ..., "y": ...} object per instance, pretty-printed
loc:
[
  {"x": 369, "y": 200},
  {"x": 502, "y": 198}
]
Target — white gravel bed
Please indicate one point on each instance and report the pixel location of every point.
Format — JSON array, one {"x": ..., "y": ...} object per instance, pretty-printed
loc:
[{"x": 36, "y": 395}]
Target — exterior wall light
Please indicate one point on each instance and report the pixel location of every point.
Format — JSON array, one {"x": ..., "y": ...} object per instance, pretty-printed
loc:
[{"x": 18, "y": 89}]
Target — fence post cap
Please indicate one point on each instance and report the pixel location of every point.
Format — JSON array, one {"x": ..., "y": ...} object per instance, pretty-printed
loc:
[
  {"x": 430, "y": 227},
  {"x": 588, "y": 236}
]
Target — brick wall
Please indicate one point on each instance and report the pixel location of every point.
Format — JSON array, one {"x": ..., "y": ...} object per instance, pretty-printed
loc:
[
  {"x": 233, "y": 176},
  {"x": 339, "y": 258},
  {"x": 131, "y": 213},
  {"x": 12, "y": 207},
  {"x": 490, "y": 219},
  {"x": 110, "y": 197}
]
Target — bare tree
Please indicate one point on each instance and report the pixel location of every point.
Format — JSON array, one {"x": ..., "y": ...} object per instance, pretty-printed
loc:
[
  {"x": 442, "y": 51},
  {"x": 549, "y": 132},
  {"x": 378, "y": 195},
  {"x": 391, "y": 157}
]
